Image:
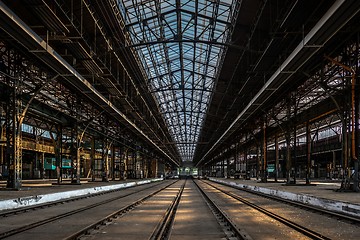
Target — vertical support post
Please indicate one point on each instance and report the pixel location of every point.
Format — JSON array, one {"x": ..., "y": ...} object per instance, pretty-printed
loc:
[
  {"x": 237, "y": 160},
  {"x": 58, "y": 153},
  {"x": 355, "y": 142},
  {"x": 154, "y": 167},
  {"x": 78, "y": 149},
  {"x": 126, "y": 163},
  {"x": 276, "y": 157},
  {"x": 2, "y": 141},
  {"x": 15, "y": 144},
  {"x": 42, "y": 165},
  {"x": 122, "y": 162},
  {"x": 288, "y": 142},
  {"x": 345, "y": 147},
  {"x": 135, "y": 164},
  {"x": 113, "y": 149},
  {"x": 3, "y": 93},
  {"x": 246, "y": 163},
  {"x": 294, "y": 150},
  {"x": 264, "y": 164},
  {"x": 222, "y": 168},
  {"x": 92, "y": 158},
  {"x": 258, "y": 159},
  {"x": 295, "y": 136},
  {"x": 146, "y": 167},
  {"x": 308, "y": 152},
  {"x": 75, "y": 159},
  {"x": 228, "y": 168},
  {"x": 105, "y": 161}
]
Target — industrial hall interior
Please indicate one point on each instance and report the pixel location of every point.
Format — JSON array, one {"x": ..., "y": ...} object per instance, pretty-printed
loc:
[{"x": 198, "y": 97}]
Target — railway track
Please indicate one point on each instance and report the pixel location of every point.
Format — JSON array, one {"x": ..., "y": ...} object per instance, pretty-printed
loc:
[
  {"x": 231, "y": 230},
  {"x": 297, "y": 227},
  {"x": 18, "y": 211},
  {"x": 14, "y": 231},
  {"x": 337, "y": 215},
  {"x": 170, "y": 210},
  {"x": 281, "y": 213},
  {"x": 161, "y": 230}
]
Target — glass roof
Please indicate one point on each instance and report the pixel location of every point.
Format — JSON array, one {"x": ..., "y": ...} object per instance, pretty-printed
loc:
[{"x": 180, "y": 45}]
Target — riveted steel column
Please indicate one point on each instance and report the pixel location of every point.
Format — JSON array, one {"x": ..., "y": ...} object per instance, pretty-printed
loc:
[
  {"x": 75, "y": 154},
  {"x": 2, "y": 135},
  {"x": 355, "y": 158},
  {"x": 92, "y": 158},
  {"x": 113, "y": 153},
  {"x": 288, "y": 142},
  {"x": 58, "y": 153},
  {"x": 258, "y": 160},
  {"x": 14, "y": 141},
  {"x": 105, "y": 161},
  {"x": 308, "y": 152},
  {"x": 276, "y": 157},
  {"x": 264, "y": 158}
]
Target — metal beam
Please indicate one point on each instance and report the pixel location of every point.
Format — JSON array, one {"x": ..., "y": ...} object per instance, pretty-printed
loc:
[
  {"x": 332, "y": 21},
  {"x": 20, "y": 31}
]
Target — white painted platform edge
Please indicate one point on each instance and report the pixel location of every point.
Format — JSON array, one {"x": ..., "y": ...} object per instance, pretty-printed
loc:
[
  {"x": 329, "y": 204},
  {"x": 51, "y": 197}
]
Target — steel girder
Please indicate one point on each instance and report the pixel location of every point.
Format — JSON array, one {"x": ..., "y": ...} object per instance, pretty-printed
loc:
[
  {"x": 18, "y": 29},
  {"x": 331, "y": 22},
  {"x": 181, "y": 46}
]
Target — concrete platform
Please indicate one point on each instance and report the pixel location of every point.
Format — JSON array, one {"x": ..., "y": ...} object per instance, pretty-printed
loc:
[
  {"x": 35, "y": 192},
  {"x": 321, "y": 193}
]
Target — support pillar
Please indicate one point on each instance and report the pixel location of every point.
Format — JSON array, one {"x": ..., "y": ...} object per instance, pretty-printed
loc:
[
  {"x": 276, "y": 157},
  {"x": 135, "y": 164},
  {"x": 222, "y": 174},
  {"x": 105, "y": 161},
  {"x": 356, "y": 135},
  {"x": 113, "y": 150},
  {"x": 154, "y": 168},
  {"x": 228, "y": 168},
  {"x": 92, "y": 158},
  {"x": 126, "y": 161},
  {"x": 294, "y": 156},
  {"x": 39, "y": 159},
  {"x": 146, "y": 167},
  {"x": 246, "y": 164},
  {"x": 264, "y": 162},
  {"x": 308, "y": 152},
  {"x": 237, "y": 160},
  {"x": 258, "y": 160},
  {"x": 58, "y": 153},
  {"x": 75, "y": 155},
  {"x": 14, "y": 139},
  {"x": 2, "y": 137},
  {"x": 288, "y": 142}
]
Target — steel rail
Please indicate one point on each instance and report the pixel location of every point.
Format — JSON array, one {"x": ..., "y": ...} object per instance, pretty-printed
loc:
[
  {"x": 70, "y": 213},
  {"x": 337, "y": 215},
  {"x": 307, "y": 232},
  {"x": 108, "y": 218},
  {"x": 17, "y": 211},
  {"x": 239, "y": 233},
  {"x": 162, "y": 229}
]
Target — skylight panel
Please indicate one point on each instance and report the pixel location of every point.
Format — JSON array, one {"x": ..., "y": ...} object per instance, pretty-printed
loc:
[{"x": 181, "y": 66}]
